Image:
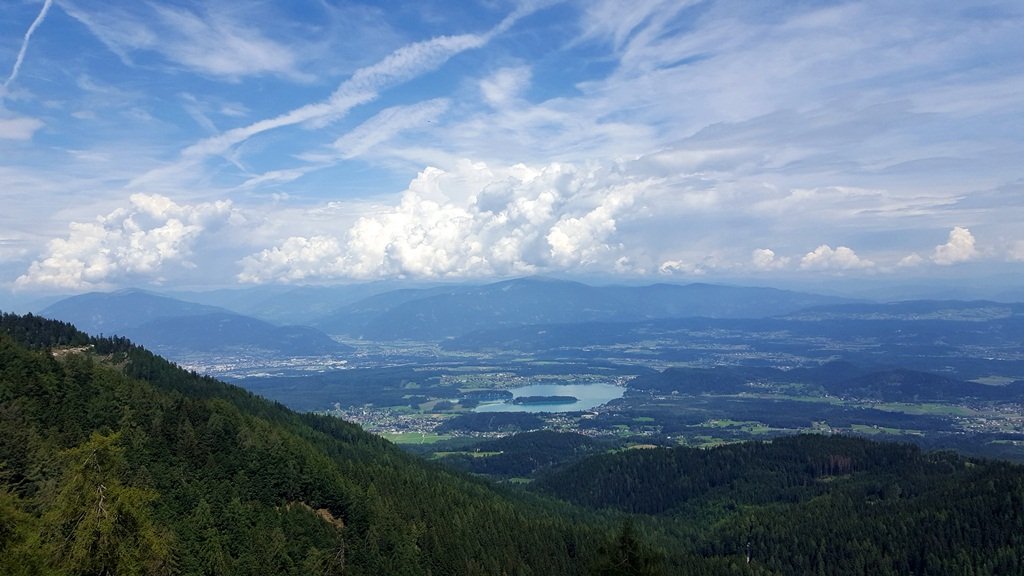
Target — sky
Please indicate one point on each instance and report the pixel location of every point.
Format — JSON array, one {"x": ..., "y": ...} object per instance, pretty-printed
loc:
[{"x": 217, "y": 143}]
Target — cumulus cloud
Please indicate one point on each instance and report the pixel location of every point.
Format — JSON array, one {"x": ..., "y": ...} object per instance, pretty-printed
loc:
[
  {"x": 765, "y": 259},
  {"x": 152, "y": 233},
  {"x": 824, "y": 257},
  {"x": 959, "y": 248},
  {"x": 669, "y": 267},
  {"x": 471, "y": 221}
]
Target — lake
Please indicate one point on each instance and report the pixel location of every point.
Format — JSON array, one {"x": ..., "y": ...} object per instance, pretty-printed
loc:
[{"x": 587, "y": 396}]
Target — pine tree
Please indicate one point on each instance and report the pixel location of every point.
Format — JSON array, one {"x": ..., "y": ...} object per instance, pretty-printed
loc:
[
  {"x": 97, "y": 525},
  {"x": 627, "y": 556}
]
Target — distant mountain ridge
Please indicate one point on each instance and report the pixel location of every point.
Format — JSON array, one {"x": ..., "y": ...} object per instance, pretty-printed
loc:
[
  {"x": 175, "y": 327},
  {"x": 499, "y": 311},
  {"x": 112, "y": 312},
  {"x": 447, "y": 312}
]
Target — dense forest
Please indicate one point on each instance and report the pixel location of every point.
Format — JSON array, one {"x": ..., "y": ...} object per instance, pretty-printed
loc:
[
  {"x": 115, "y": 461},
  {"x": 815, "y": 504}
]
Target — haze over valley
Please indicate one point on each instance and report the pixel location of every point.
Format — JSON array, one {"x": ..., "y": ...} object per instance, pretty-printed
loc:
[{"x": 696, "y": 364}]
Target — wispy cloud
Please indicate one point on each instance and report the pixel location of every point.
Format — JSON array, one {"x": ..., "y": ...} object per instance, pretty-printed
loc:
[
  {"x": 24, "y": 47},
  {"x": 18, "y": 128},
  {"x": 387, "y": 123},
  {"x": 505, "y": 85},
  {"x": 362, "y": 87},
  {"x": 211, "y": 42},
  {"x": 218, "y": 46}
]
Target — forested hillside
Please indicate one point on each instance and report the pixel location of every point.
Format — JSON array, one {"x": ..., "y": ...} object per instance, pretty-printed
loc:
[
  {"x": 817, "y": 504},
  {"x": 114, "y": 461}
]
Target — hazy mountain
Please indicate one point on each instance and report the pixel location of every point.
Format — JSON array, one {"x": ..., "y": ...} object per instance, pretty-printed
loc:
[
  {"x": 289, "y": 304},
  {"x": 115, "y": 312},
  {"x": 238, "y": 300},
  {"x": 223, "y": 332},
  {"x": 174, "y": 326},
  {"x": 446, "y": 312}
]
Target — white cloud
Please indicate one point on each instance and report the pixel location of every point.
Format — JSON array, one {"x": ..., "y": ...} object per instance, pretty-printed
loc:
[
  {"x": 910, "y": 261},
  {"x": 505, "y": 85},
  {"x": 670, "y": 267},
  {"x": 24, "y": 47},
  {"x": 152, "y": 233},
  {"x": 362, "y": 87},
  {"x": 959, "y": 248},
  {"x": 472, "y": 221},
  {"x": 296, "y": 259},
  {"x": 213, "y": 43},
  {"x": 388, "y": 123},
  {"x": 12, "y": 249},
  {"x": 1016, "y": 252},
  {"x": 765, "y": 259},
  {"x": 626, "y": 22},
  {"x": 18, "y": 128},
  {"x": 841, "y": 258}
]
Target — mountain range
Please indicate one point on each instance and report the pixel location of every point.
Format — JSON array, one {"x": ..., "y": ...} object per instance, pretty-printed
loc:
[
  {"x": 375, "y": 312},
  {"x": 176, "y": 327}
]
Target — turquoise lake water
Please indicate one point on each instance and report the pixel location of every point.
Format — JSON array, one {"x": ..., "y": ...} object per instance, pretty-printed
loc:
[{"x": 588, "y": 396}]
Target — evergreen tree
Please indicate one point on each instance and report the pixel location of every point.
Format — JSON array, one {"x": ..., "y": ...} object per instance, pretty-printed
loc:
[
  {"x": 97, "y": 525},
  {"x": 627, "y": 556}
]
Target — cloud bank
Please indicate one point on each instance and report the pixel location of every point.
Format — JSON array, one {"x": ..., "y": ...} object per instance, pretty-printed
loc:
[
  {"x": 145, "y": 239},
  {"x": 472, "y": 221}
]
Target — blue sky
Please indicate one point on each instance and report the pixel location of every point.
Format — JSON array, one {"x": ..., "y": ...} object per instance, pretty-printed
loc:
[{"x": 211, "y": 144}]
